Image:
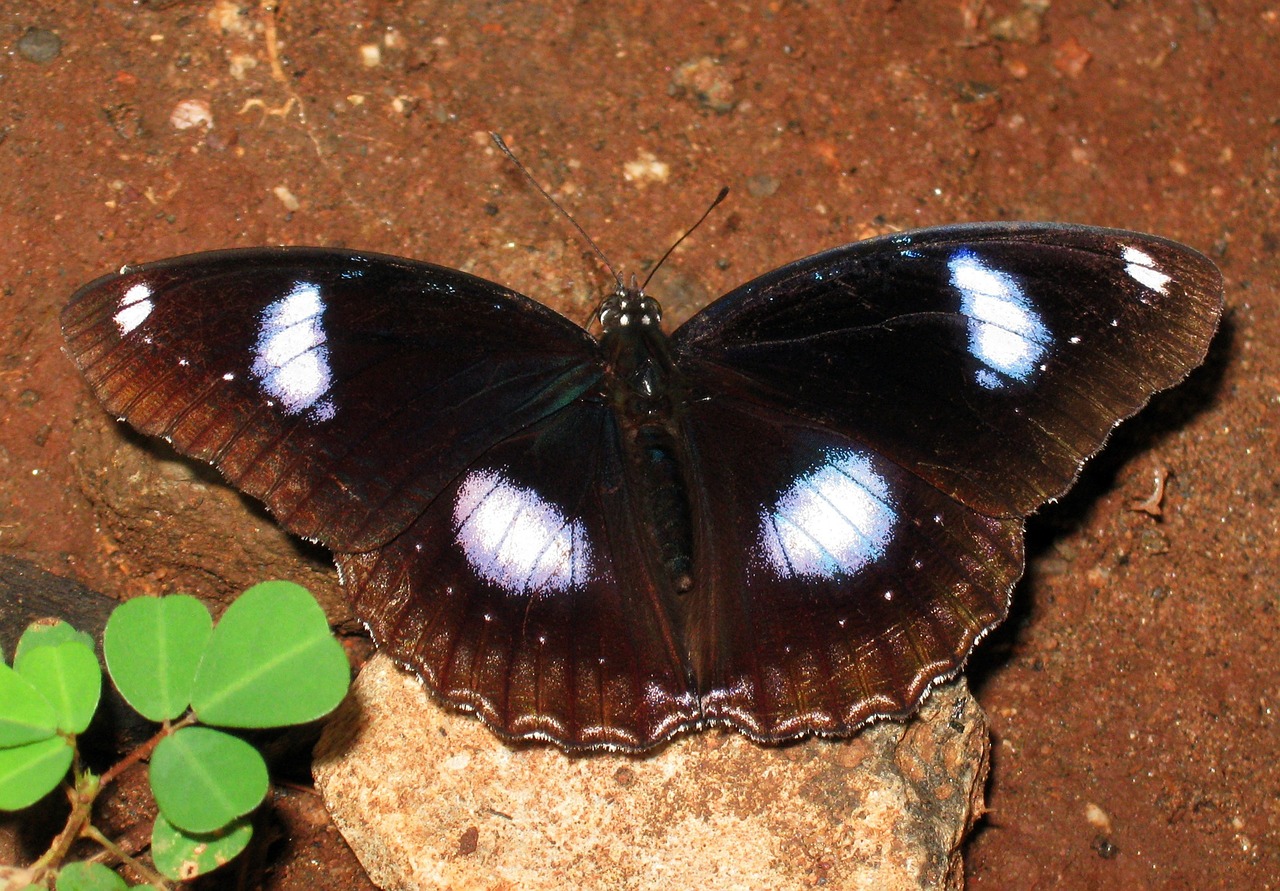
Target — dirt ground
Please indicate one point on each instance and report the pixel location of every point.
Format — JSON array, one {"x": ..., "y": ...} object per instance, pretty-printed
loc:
[{"x": 1134, "y": 693}]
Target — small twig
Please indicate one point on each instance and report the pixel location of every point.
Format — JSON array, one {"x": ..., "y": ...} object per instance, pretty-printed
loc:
[
  {"x": 149, "y": 875},
  {"x": 144, "y": 751},
  {"x": 271, "y": 9},
  {"x": 1153, "y": 504}
]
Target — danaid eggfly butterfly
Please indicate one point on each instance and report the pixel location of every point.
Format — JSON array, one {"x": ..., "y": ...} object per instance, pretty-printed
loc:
[{"x": 791, "y": 516}]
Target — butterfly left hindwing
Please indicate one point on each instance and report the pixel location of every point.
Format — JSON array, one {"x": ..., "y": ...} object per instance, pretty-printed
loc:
[{"x": 524, "y": 592}]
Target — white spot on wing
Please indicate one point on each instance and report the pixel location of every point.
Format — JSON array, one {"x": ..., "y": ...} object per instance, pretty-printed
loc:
[
  {"x": 516, "y": 539},
  {"x": 1141, "y": 268},
  {"x": 1006, "y": 334},
  {"x": 134, "y": 308},
  {"x": 291, "y": 360},
  {"x": 829, "y": 522}
]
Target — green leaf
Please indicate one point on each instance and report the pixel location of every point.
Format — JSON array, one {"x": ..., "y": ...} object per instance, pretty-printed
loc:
[
  {"x": 25, "y": 715},
  {"x": 153, "y": 647},
  {"x": 67, "y": 674},
  {"x": 29, "y": 773},
  {"x": 271, "y": 661},
  {"x": 88, "y": 877},
  {"x": 203, "y": 779},
  {"x": 47, "y": 634},
  {"x": 183, "y": 855}
]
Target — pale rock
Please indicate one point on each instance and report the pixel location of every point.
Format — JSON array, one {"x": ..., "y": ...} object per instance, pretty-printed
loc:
[{"x": 429, "y": 798}]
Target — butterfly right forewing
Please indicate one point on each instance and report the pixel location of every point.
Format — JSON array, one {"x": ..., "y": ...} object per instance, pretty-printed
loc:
[{"x": 989, "y": 359}]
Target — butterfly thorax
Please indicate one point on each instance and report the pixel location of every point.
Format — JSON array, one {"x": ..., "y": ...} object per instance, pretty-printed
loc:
[{"x": 646, "y": 393}]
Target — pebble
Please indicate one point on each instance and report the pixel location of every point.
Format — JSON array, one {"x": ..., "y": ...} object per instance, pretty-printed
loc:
[{"x": 39, "y": 45}]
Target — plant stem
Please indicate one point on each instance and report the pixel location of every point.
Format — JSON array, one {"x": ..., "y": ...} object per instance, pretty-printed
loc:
[
  {"x": 144, "y": 751},
  {"x": 83, "y": 794},
  {"x": 150, "y": 876}
]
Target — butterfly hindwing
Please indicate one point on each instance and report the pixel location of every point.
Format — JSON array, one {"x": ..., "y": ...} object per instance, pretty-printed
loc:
[
  {"x": 524, "y": 594},
  {"x": 834, "y": 586}
]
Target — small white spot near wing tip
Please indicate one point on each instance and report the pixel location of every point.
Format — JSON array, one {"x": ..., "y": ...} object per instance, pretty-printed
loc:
[
  {"x": 1137, "y": 255},
  {"x": 1140, "y": 267},
  {"x": 134, "y": 307},
  {"x": 136, "y": 292}
]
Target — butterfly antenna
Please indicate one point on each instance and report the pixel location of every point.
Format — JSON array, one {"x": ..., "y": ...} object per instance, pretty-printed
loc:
[
  {"x": 502, "y": 146},
  {"x": 706, "y": 213}
]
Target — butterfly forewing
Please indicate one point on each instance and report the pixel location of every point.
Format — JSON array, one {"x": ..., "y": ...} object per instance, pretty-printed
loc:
[
  {"x": 990, "y": 360},
  {"x": 342, "y": 389}
]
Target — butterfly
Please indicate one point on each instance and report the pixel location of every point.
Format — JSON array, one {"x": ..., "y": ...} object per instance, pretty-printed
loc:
[{"x": 790, "y": 516}]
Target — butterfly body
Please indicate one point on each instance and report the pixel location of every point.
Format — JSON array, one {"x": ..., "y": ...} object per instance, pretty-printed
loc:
[
  {"x": 791, "y": 515},
  {"x": 648, "y": 399}
]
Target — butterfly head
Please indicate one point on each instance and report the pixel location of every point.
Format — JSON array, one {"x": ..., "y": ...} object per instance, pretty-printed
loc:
[{"x": 629, "y": 307}]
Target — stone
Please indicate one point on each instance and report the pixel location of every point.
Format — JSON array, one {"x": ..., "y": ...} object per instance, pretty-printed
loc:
[
  {"x": 428, "y": 798},
  {"x": 172, "y": 525}
]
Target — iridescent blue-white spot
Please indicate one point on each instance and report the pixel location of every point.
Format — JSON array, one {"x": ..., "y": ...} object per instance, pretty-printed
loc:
[
  {"x": 291, "y": 360},
  {"x": 832, "y": 521},
  {"x": 1006, "y": 334},
  {"x": 134, "y": 308},
  {"x": 1141, "y": 268},
  {"x": 517, "y": 540}
]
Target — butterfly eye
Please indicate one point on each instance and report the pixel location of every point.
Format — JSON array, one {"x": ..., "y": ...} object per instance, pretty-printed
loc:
[{"x": 625, "y": 309}]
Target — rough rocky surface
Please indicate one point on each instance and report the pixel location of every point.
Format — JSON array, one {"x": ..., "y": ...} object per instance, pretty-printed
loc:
[
  {"x": 429, "y": 798},
  {"x": 176, "y": 527}
]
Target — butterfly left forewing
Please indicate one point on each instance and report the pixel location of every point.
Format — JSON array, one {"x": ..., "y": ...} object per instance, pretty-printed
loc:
[{"x": 341, "y": 388}]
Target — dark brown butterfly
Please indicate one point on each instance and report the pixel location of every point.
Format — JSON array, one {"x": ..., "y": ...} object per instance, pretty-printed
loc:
[{"x": 792, "y": 515}]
